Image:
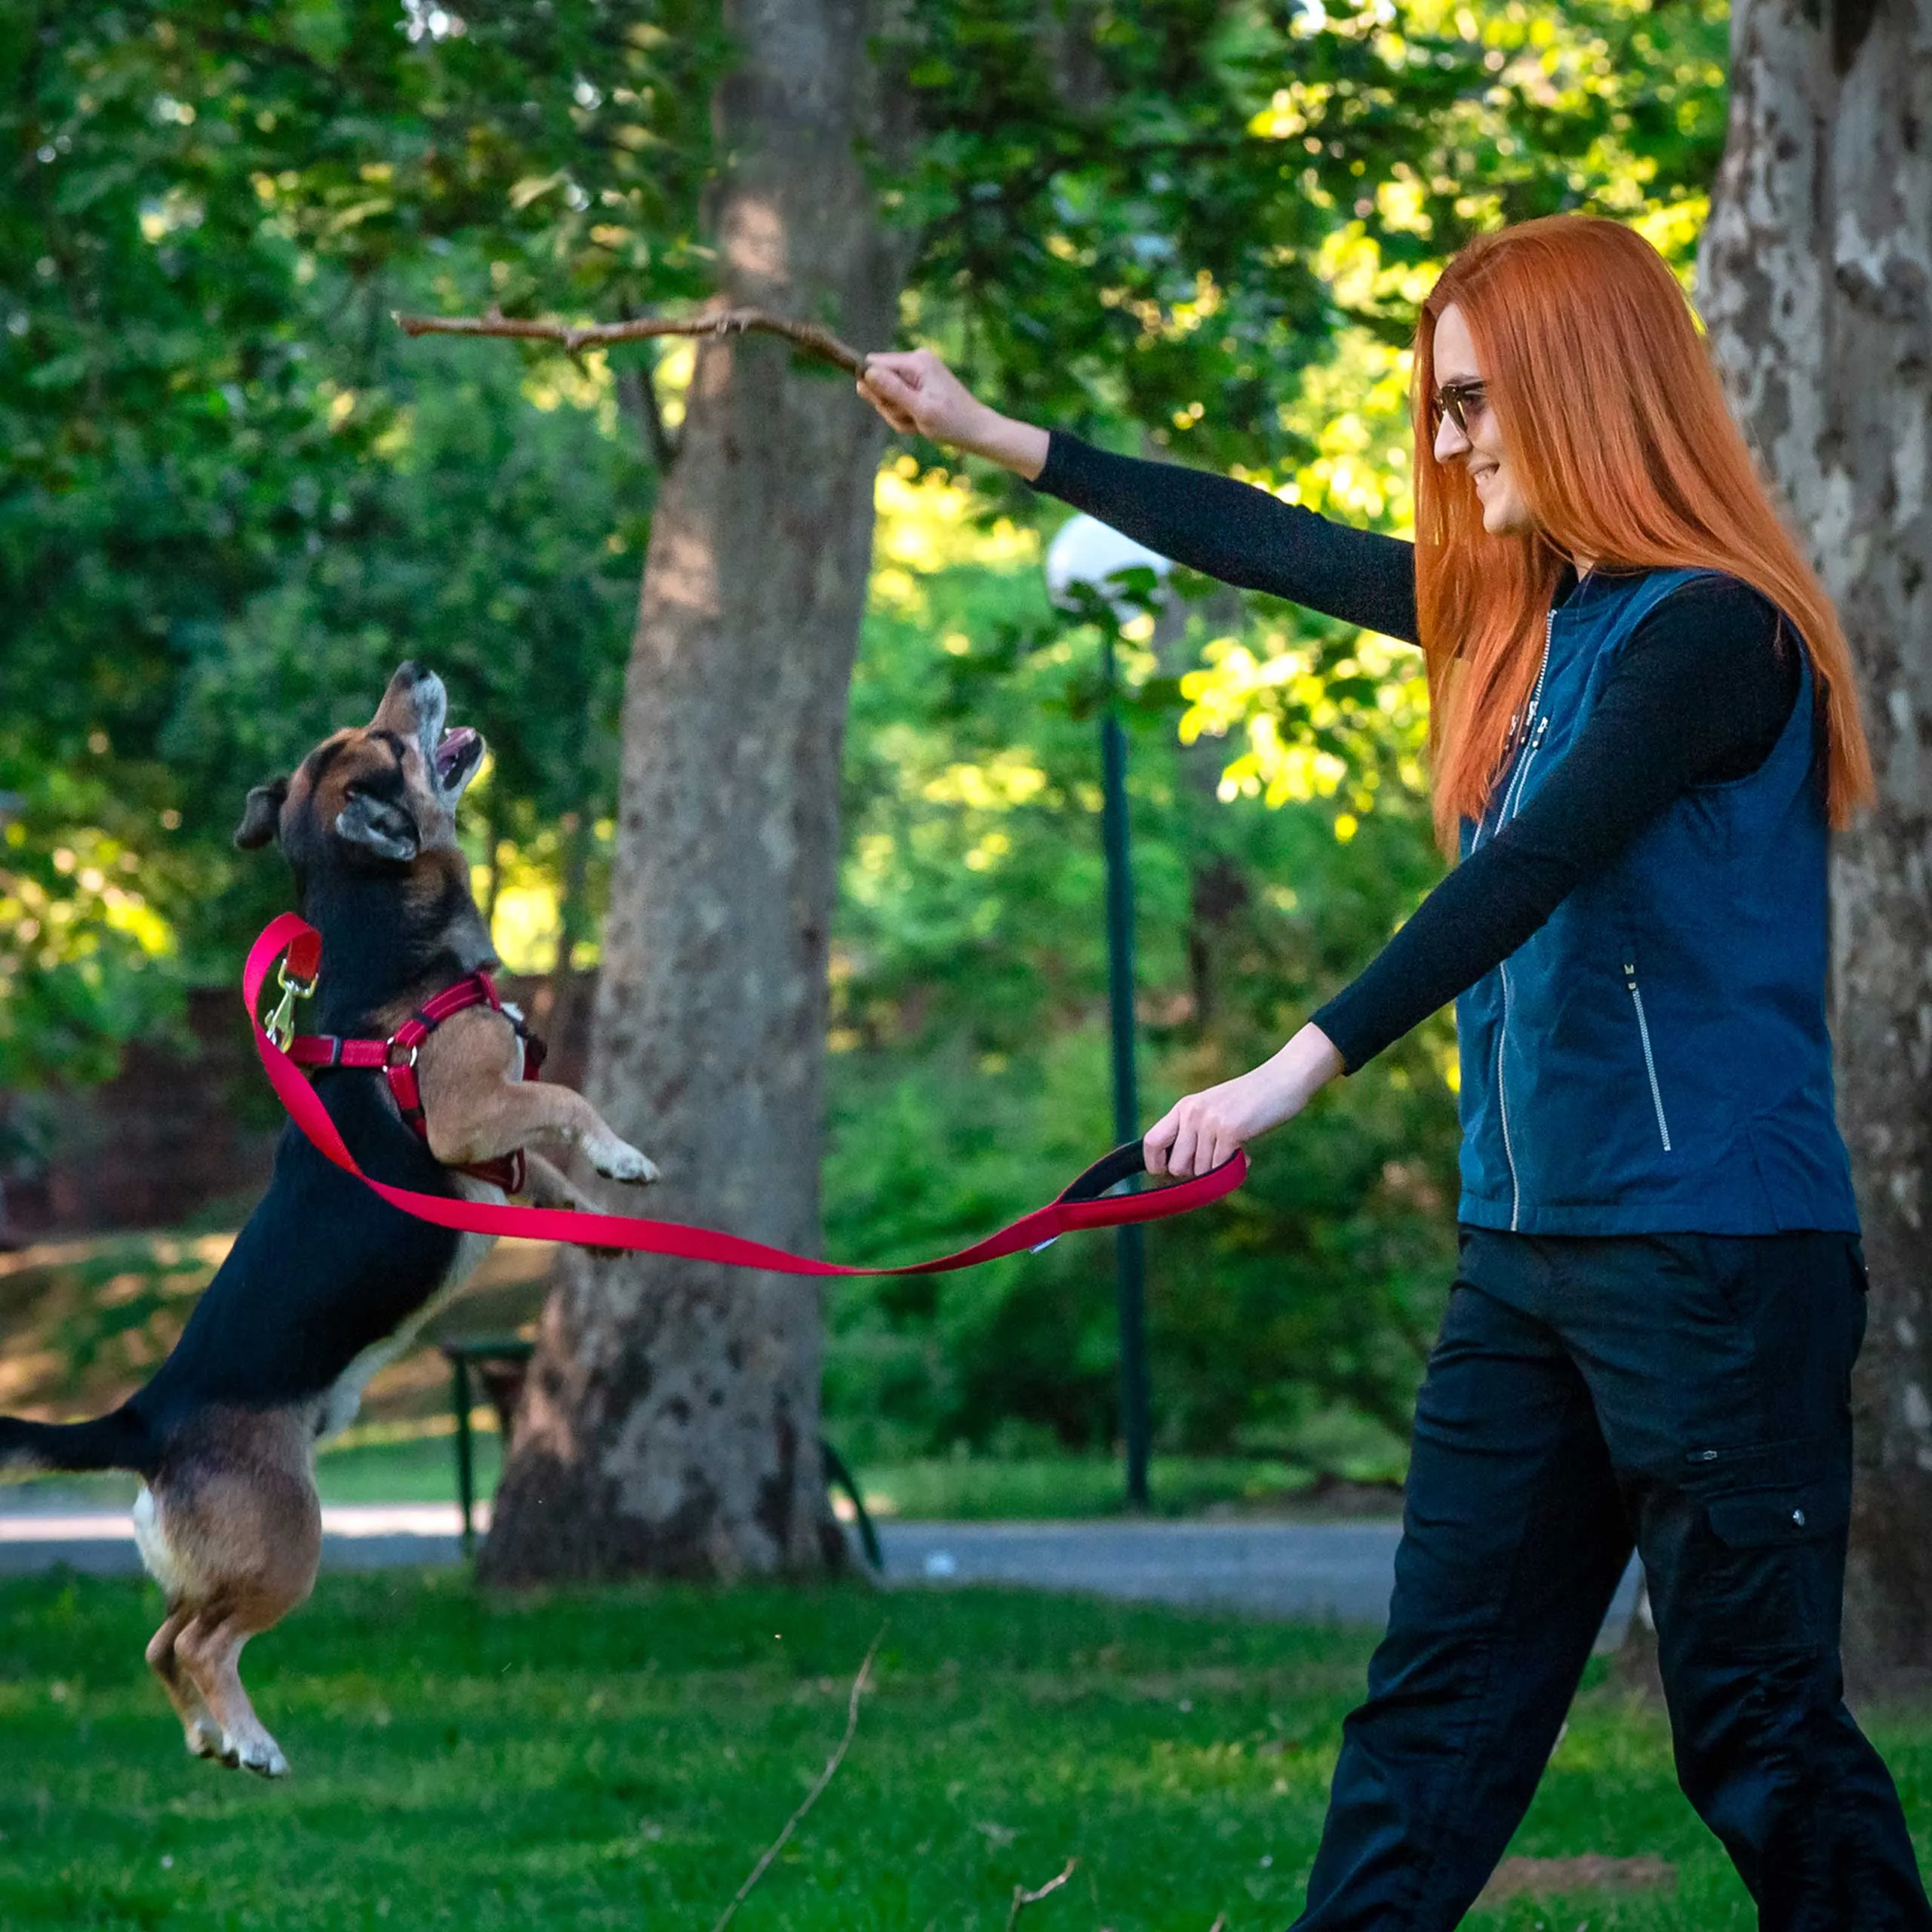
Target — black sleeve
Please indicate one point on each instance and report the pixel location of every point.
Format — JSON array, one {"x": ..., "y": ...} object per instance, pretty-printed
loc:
[
  {"x": 1704, "y": 687},
  {"x": 1241, "y": 534}
]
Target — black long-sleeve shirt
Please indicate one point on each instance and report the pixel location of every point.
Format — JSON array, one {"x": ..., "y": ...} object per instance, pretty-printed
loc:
[{"x": 1699, "y": 697}]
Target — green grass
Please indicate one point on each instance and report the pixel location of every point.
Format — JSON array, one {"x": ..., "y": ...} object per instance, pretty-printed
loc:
[
  {"x": 619, "y": 1759},
  {"x": 1073, "y": 1486},
  {"x": 386, "y": 1465}
]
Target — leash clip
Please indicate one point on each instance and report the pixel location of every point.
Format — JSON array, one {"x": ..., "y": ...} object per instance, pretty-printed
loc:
[{"x": 280, "y": 1025}]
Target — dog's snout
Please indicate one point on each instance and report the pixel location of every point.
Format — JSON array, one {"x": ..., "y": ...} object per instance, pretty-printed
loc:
[
  {"x": 414, "y": 704},
  {"x": 413, "y": 684}
]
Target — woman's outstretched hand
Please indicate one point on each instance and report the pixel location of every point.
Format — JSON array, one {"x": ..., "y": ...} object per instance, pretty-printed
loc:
[
  {"x": 1196, "y": 1134},
  {"x": 919, "y": 394}
]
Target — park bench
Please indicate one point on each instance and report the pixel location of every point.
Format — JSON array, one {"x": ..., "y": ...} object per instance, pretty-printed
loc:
[{"x": 499, "y": 1363}]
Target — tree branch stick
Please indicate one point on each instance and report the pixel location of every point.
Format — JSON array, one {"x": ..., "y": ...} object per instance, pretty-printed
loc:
[
  {"x": 808, "y": 337},
  {"x": 824, "y": 1777},
  {"x": 1022, "y": 1898}
]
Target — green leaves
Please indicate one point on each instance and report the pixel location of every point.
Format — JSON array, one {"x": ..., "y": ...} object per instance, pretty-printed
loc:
[
  {"x": 230, "y": 499},
  {"x": 1155, "y": 221}
]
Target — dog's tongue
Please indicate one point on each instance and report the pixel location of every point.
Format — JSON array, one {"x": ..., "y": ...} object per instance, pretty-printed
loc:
[{"x": 450, "y": 751}]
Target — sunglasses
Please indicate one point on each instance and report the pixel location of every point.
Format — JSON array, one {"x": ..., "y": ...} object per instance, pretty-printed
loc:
[{"x": 1458, "y": 401}]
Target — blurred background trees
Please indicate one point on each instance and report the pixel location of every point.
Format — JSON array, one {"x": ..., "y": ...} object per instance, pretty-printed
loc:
[{"x": 232, "y": 497}]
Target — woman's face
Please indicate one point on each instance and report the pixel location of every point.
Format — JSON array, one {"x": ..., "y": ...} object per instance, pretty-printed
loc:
[{"x": 1478, "y": 446}]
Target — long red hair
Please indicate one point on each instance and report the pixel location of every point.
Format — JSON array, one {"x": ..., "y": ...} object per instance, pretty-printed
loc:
[{"x": 1624, "y": 452}]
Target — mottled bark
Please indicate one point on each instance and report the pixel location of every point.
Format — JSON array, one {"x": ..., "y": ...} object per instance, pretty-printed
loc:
[
  {"x": 1816, "y": 280},
  {"x": 669, "y": 1424}
]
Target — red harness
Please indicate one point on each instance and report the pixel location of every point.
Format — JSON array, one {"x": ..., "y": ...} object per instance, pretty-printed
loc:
[{"x": 396, "y": 1057}]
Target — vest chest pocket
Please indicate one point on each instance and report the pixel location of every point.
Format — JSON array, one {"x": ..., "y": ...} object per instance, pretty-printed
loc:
[{"x": 1636, "y": 993}]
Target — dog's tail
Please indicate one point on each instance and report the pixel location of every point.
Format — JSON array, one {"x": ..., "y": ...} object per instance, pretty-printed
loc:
[{"x": 116, "y": 1441}]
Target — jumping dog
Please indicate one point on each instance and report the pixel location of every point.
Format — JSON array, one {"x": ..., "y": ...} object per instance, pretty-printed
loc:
[{"x": 327, "y": 1281}]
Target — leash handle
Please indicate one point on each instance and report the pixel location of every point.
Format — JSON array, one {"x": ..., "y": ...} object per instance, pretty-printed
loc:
[
  {"x": 1106, "y": 1174},
  {"x": 1126, "y": 1161},
  {"x": 1078, "y": 1206}
]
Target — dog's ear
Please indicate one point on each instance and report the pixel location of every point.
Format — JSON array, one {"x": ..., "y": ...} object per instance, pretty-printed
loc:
[
  {"x": 261, "y": 817},
  {"x": 379, "y": 824}
]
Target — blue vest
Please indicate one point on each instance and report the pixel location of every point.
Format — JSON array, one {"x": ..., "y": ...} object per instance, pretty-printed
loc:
[{"x": 1655, "y": 1060}]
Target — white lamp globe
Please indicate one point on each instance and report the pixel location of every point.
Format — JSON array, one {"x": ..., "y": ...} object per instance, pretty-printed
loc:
[{"x": 1086, "y": 551}]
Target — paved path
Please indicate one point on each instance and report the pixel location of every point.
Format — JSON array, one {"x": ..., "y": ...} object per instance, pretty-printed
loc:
[
  {"x": 1340, "y": 1572},
  {"x": 100, "y": 1542}
]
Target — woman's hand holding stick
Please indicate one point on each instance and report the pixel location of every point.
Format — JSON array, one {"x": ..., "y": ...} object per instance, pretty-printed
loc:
[{"x": 919, "y": 394}]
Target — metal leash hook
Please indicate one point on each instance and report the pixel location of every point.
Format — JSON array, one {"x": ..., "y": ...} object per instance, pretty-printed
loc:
[
  {"x": 280, "y": 1025},
  {"x": 301, "y": 967}
]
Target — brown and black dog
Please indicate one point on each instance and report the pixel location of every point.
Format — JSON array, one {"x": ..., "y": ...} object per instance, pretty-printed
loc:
[{"x": 327, "y": 1281}]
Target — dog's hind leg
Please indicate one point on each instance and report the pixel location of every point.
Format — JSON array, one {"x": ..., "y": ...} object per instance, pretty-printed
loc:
[
  {"x": 198, "y": 1723},
  {"x": 210, "y": 1646},
  {"x": 237, "y": 1536}
]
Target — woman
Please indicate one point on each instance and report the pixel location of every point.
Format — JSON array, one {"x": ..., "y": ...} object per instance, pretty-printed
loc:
[{"x": 1643, "y": 727}]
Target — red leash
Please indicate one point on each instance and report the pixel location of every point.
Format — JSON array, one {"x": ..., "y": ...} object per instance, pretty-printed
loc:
[{"x": 1075, "y": 1208}]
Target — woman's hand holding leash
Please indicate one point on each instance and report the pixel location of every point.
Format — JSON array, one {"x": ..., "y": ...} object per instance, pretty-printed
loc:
[
  {"x": 1197, "y": 1133},
  {"x": 919, "y": 394}
]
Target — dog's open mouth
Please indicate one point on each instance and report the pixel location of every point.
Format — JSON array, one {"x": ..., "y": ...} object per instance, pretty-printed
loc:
[{"x": 458, "y": 750}]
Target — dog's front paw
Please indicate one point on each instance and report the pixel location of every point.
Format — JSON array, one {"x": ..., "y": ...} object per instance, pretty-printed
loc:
[{"x": 620, "y": 1161}]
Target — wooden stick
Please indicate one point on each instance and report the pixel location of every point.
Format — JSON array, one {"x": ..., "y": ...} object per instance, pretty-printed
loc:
[
  {"x": 757, "y": 1871},
  {"x": 808, "y": 337},
  {"x": 1022, "y": 1898}
]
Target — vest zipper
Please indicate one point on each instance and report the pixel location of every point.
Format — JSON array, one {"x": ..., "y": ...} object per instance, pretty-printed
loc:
[
  {"x": 1535, "y": 727},
  {"x": 1650, "y": 1060}
]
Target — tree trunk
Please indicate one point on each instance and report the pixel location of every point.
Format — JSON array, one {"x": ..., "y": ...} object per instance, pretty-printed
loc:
[
  {"x": 669, "y": 1424},
  {"x": 1815, "y": 278}
]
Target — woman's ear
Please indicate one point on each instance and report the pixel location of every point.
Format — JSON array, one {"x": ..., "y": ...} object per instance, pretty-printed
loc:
[{"x": 261, "y": 817}]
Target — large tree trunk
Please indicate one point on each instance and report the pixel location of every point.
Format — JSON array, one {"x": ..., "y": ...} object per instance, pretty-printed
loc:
[
  {"x": 669, "y": 1424},
  {"x": 1815, "y": 280}
]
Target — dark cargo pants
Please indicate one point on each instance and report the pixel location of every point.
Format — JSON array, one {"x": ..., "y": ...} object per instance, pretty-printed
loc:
[{"x": 1689, "y": 1391}]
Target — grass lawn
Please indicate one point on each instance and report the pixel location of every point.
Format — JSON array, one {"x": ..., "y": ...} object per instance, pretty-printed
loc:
[
  {"x": 620, "y": 1757},
  {"x": 389, "y": 1464},
  {"x": 421, "y": 1469}
]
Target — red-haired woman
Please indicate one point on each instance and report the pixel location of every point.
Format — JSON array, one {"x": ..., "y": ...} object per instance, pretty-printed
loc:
[{"x": 1644, "y": 726}]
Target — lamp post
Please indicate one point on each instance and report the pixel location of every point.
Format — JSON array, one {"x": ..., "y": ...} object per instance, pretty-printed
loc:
[{"x": 1085, "y": 557}]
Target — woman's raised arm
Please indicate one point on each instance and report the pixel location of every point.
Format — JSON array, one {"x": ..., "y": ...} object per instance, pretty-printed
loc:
[{"x": 1224, "y": 529}]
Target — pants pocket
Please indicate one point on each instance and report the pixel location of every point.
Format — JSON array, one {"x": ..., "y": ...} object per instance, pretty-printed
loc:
[
  {"x": 1769, "y": 1569},
  {"x": 1772, "y": 1518}
]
